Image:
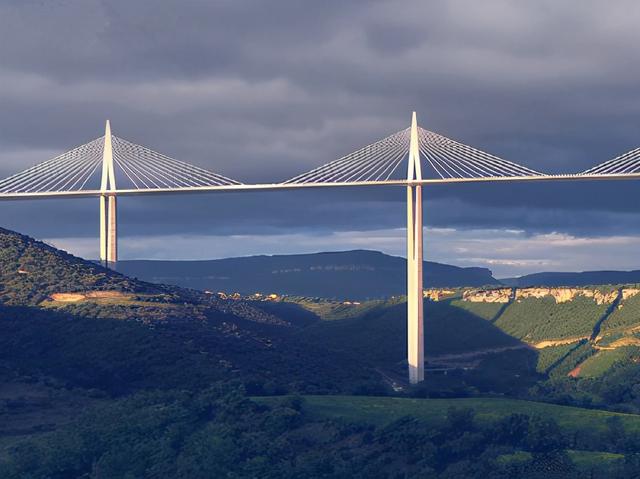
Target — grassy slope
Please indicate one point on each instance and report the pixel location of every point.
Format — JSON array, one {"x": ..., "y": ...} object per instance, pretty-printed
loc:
[
  {"x": 583, "y": 459},
  {"x": 598, "y": 364},
  {"x": 535, "y": 320},
  {"x": 580, "y": 353},
  {"x": 551, "y": 356},
  {"x": 590, "y": 459},
  {"x": 383, "y": 410},
  {"x": 626, "y": 316}
]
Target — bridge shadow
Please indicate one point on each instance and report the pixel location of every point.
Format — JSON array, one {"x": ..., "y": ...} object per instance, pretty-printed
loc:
[{"x": 461, "y": 348}]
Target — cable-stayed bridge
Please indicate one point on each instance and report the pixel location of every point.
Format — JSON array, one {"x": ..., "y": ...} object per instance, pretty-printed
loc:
[{"x": 110, "y": 166}]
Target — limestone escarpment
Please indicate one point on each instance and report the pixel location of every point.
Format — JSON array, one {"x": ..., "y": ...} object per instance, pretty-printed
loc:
[
  {"x": 435, "y": 294},
  {"x": 500, "y": 295},
  {"x": 504, "y": 295}
]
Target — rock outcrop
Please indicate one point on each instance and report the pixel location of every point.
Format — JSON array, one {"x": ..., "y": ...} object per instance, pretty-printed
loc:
[
  {"x": 437, "y": 294},
  {"x": 504, "y": 295},
  {"x": 629, "y": 292},
  {"x": 563, "y": 295},
  {"x": 560, "y": 295},
  {"x": 500, "y": 295},
  {"x": 76, "y": 297}
]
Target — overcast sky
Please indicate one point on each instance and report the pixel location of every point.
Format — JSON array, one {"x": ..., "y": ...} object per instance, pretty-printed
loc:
[{"x": 262, "y": 91}]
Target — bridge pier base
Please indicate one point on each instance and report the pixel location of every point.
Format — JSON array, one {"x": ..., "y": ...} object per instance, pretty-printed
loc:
[
  {"x": 103, "y": 230},
  {"x": 112, "y": 233},
  {"x": 108, "y": 231}
]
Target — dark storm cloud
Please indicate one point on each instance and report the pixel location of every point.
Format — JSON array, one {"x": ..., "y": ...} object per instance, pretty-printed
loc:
[{"x": 264, "y": 90}]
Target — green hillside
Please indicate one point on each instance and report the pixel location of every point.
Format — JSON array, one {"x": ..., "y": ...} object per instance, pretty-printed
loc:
[
  {"x": 533, "y": 319},
  {"x": 31, "y": 270},
  {"x": 598, "y": 364},
  {"x": 625, "y": 316},
  {"x": 550, "y": 357},
  {"x": 384, "y": 410}
]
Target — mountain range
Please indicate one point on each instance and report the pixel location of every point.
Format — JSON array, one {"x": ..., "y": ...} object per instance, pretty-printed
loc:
[{"x": 358, "y": 274}]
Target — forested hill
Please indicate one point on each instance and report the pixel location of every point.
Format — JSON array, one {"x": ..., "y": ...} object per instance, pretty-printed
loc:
[
  {"x": 358, "y": 274},
  {"x": 30, "y": 271}
]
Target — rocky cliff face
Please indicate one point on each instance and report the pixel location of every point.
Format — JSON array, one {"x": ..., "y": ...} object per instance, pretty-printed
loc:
[
  {"x": 629, "y": 292},
  {"x": 500, "y": 295},
  {"x": 563, "y": 295},
  {"x": 437, "y": 294},
  {"x": 504, "y": 295}
]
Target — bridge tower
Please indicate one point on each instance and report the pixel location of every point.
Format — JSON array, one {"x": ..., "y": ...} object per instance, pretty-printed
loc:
[
  {"x": 108, "y": 205},
  {"x": 415, "y": 305}
]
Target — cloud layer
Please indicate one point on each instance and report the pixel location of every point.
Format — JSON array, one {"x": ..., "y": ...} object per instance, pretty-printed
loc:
[{"x": 262, "y": 91}]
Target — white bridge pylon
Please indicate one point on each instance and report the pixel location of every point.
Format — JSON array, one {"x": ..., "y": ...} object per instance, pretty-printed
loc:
[
  {"x": 110, "y": 166},
  {"x": 427, "y": 155},
  {"x": 415, "y": 251},
  {"x": 83, "y": 171},
  {"x": 98, "y": 167}
]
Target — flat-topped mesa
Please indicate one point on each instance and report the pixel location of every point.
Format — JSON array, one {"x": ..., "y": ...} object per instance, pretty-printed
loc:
[
  {"x": 435, "y": 294},
  {"x": 500, "y": 295}
]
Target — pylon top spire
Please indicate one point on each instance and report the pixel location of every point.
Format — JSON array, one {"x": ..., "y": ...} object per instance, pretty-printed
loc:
[
  {"x": 108, "y": 173},
  {"x": 414, "y": 171}
]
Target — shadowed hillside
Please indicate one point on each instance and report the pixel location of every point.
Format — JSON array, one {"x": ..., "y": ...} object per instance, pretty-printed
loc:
[{"x": 75, "y": 323}]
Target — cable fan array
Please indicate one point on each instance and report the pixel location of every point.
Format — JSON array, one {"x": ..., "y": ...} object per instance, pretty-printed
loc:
[
  {"x": 67, "y": 172},
  {"x": 375, "y": 162},
  {"x": 450, "y": 159},
  {"x": 148, "y": 169},
  {"x": 136, "y": 166},
  {"x": 628, "y": 163},
  {"x": 140, "y": 168},
  {"x": 441, "y": 157}
]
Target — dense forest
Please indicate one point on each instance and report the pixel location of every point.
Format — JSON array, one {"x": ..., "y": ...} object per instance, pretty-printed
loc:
[{"x": 219, "y": 432}]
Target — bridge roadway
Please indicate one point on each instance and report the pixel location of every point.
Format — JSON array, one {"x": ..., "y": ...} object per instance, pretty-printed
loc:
[{"x": 298, "y": 186}]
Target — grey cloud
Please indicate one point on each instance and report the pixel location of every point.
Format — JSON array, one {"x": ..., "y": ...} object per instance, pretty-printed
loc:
[{"x": 261, "y": 91}]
